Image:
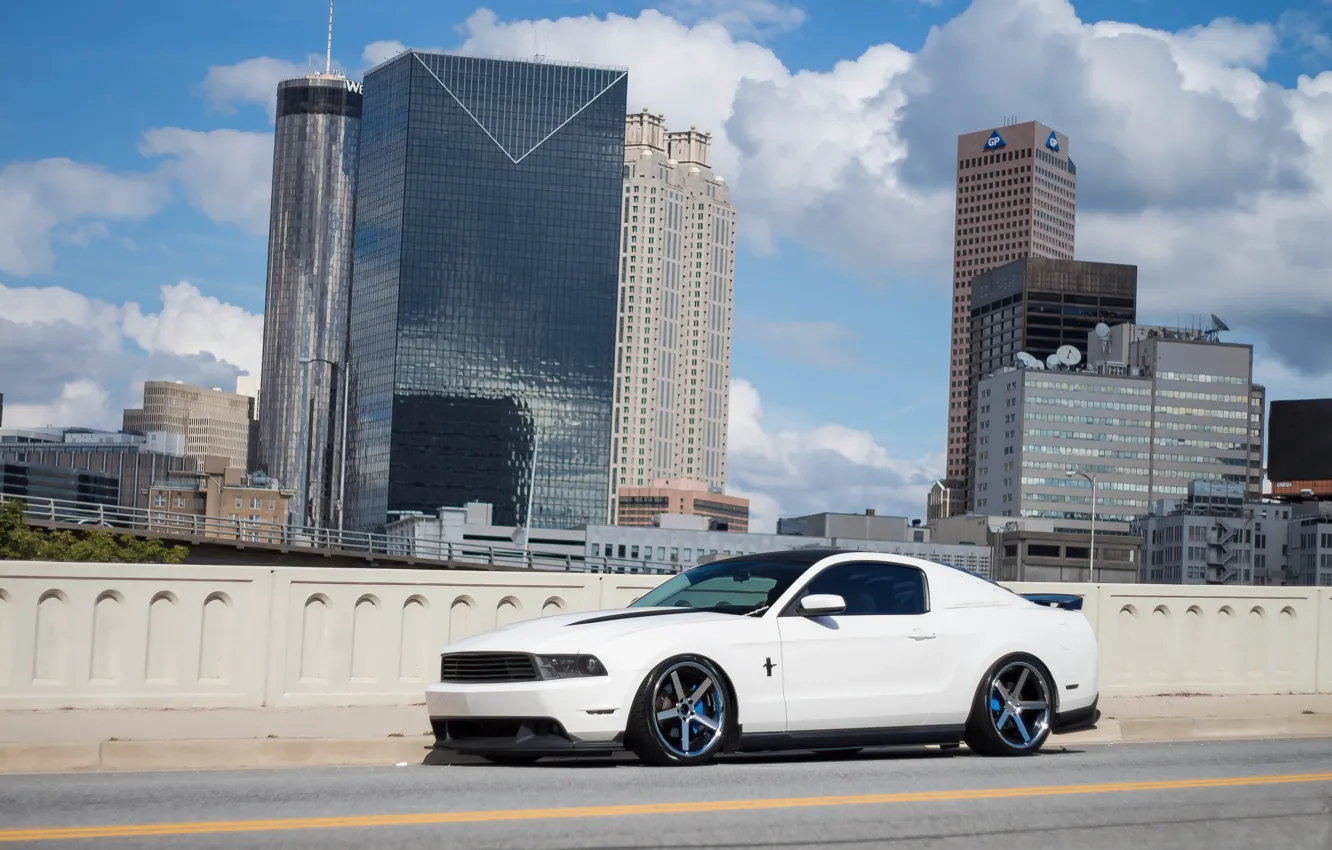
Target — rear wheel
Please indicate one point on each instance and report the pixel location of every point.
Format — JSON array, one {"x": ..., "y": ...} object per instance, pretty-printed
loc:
[
  {"x": 1012, "y": 710},
  {"x": 682, "y": 713}
]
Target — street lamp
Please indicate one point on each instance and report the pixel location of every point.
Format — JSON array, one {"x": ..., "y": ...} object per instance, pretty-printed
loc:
[
  {"x": 1091, "y": 561},
  {"x": 342, "y": 454}
]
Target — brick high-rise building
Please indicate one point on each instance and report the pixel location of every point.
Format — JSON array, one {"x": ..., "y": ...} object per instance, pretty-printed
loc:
[{"x": 1016, "y": 197}]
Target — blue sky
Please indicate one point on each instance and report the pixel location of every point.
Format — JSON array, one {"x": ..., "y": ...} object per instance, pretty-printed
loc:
[{"x": 134, "y": 146}]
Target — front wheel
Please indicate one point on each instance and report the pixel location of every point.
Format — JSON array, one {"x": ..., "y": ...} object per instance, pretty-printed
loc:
[
  {"x": 1012, "y": 710},
  {"x": 681, "y": 714}
]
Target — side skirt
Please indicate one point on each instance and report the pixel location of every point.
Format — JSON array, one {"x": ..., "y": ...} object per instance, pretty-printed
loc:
[{"x": 830, "y": 739}]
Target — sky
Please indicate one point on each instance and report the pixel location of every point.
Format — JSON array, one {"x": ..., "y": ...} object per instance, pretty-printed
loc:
[{"x": 136, "y": 158}]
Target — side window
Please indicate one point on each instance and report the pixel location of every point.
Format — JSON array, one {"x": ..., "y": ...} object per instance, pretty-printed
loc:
[{"x": 873, "y": 589}]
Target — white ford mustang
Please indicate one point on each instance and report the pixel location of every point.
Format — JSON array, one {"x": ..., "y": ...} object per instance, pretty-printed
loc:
[{"x": 808, "y": 649}]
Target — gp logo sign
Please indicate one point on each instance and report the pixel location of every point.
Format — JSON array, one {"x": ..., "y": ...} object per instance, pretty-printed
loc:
[
  {"x": 1053, "y": 142},
  {"x": 995, "y": 142}
]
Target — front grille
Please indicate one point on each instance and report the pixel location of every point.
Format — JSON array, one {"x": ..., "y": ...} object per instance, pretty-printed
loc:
[{"x": 487, "y": 667}]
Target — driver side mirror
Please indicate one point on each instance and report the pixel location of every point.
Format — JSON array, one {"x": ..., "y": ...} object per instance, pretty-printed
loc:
[{"x": 821, "y": 605}]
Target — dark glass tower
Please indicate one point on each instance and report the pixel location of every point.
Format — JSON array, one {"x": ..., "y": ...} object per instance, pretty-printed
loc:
[
  {"x": 484, "y": 302},
  {"x": 310, "y": 233}
]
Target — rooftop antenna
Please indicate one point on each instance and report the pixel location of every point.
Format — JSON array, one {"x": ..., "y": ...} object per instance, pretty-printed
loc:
[{"x": 328, "y": 57}]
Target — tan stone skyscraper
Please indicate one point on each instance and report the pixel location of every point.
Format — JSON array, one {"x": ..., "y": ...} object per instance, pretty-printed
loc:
[
  {"x": 1016, "y": 197},
  {"x": 676, "y": 300}
]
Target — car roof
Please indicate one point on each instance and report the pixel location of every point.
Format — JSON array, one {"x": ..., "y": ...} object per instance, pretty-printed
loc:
[{"x": 809, "y": 556}]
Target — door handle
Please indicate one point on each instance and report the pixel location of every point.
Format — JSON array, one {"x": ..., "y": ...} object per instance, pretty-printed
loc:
[{"x": 919, "y": 635}]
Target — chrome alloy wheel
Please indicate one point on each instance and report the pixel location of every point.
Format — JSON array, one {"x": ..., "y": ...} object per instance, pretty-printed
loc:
[
  {"x": 689, "y": 710},
  {"x": 1019, "y": 702}
]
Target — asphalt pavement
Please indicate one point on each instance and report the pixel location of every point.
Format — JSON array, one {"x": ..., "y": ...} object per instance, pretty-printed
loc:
[{"x": 1233, "y": 794}]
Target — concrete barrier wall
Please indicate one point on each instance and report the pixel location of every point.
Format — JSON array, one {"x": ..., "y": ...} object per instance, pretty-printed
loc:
[{"x": 90, "y": 635}]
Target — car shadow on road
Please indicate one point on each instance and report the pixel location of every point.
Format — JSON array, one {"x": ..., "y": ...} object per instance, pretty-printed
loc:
[{"x": 438, "y": 758}]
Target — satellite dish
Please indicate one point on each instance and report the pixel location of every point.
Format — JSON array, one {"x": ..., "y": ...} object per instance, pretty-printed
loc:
[
  {"x": 1068, "y": 355},
  {"x": 1026, "y": 361},
  {"x": 1052, "y": 362},
  {"x": 1218, "y": 325},
  {"x": 1102, "y": 330}
]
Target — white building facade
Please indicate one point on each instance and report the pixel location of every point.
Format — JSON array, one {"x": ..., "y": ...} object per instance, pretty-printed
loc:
[
  {"x": 676, "y": 306},
  {"x": 1156, "y": 410}
]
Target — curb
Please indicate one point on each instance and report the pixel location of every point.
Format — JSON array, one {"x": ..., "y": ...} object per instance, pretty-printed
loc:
[
  {"x": 219, "y": 754},
  {"x": 1163, "y": 729},
  {"x": 251, "y": 753}
]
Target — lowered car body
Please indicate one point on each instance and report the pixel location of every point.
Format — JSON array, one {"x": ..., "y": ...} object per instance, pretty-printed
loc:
[{"x": 797, "y": 650}]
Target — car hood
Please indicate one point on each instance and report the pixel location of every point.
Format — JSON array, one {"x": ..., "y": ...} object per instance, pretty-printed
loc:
[{"x": 583, "y": 632}]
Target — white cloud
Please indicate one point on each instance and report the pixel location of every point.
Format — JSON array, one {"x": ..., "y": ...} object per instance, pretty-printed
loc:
[
  {"x": 253, "y": 81},
  {"x": 381, "y": 51},
  {"x": 227, "y": 174},
  {"x": 65, "y": 361},
  {"x": 826, "y": 468},
  {"x": 81, "y": 401},
  {"x": 744, "y": 18},
  {"x": 1215, "y": 182},
  {"x": 40, "y": 199},
  {"x": 193, "y": 323}
]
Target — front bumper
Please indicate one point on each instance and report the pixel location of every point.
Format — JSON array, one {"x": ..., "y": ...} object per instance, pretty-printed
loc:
[
  {"x": 560, "y": 715},
  {"x": 537, "y": 736}
]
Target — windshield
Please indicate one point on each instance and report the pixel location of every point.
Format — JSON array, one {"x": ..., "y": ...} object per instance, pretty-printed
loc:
[{"x": 734, "y": 587}]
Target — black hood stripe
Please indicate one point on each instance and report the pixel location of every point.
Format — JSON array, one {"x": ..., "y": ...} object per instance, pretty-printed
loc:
[{"x": 633, "y": 615}]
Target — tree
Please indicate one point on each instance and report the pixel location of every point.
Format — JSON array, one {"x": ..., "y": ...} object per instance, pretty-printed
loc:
[{"x": 21, "y": 542}]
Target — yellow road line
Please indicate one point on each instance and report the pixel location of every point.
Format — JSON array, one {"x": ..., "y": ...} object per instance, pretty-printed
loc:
[{"x": 509, "y": 815}]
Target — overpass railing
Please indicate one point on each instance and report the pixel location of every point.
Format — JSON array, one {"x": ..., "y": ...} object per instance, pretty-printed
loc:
[{"x": 161, "y": 522}]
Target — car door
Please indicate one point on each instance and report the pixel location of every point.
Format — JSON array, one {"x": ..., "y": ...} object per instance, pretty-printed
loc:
[{"x": 874, "y": 665}]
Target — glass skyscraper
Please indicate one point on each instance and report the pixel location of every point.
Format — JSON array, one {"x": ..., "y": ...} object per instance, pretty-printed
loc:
[
  {"x": 483, "y": 315},
  {"x": 310, "y": 233}
]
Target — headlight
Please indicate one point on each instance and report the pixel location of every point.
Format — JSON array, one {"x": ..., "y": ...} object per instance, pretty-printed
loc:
[{"x": 569, "y": 666}]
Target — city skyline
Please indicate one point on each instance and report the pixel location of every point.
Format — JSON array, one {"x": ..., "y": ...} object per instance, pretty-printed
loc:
[{"x": 793, "y": 447}]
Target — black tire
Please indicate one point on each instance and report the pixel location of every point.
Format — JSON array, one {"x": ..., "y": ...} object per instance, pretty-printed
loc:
[
  {"x": 510, "y": 759},
  {"x": 1013, "y": 726},
  {"x": 653, "y": 742}
]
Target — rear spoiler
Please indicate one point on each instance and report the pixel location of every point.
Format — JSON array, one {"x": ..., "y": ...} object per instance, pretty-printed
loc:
[{"x": 1067, "y": 601}]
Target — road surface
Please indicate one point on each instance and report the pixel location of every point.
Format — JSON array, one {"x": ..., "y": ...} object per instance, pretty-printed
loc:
[{"x": 1235, "y": 794}]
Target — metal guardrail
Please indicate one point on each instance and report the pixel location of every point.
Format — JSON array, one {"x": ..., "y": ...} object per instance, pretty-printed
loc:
[{"x": 244, "y": 532}]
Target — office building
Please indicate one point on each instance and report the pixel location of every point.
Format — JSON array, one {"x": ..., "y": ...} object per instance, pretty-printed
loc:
[
  {"x": 1215, "y": 535},
  {"x": 1036, "y": 306},
  {"x": 1309, "y": 540},
  {"x": 643, "y": 506},
  {"x": 310, "y": 232},
  {"x": 31, "y": 482},
  {"x": 676, "y": 305},
  {"x": 1299, "y": 450},
  {"x": 1156, "y": 409},
  {"x": 134, "y": 461},
  {"x": 221, "y": 501},
  {"x": 213, "y": 422},
  {"x": 867, "y": 526},
  {"x": 1016, "y": 198},
  {"x": 483, "y": 313},
  {"x": 1207, "y": 416},
  {"x": 943, "y": 496},
  {"x": 470, "y": 532}
]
